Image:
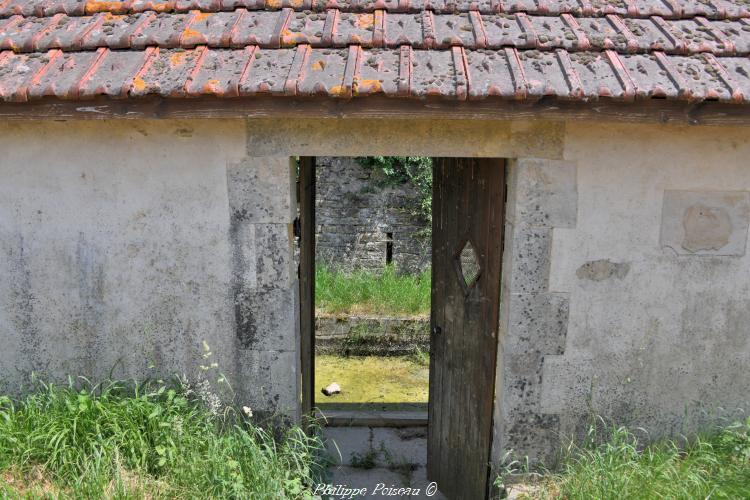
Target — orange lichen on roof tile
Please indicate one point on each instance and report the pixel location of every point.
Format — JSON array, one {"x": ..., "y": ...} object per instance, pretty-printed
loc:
[
  {"x": 178, "y": 58},
  {"x": 113, "y": 7},
  {"x": 339, "y": 91},
  {"x": 292, "y": 38},
  {"x": 212, "y": 86},
  {"x": 365, "y": 21},
  {"x": 113, "y": 17},
  {"x": 139, "y": 84},
  {"x": 189, "y": 31},
  {"x": 367, "y": 86}
]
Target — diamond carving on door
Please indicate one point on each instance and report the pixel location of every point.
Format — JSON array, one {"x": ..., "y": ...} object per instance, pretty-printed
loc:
[{"x": 468, "y": 265}]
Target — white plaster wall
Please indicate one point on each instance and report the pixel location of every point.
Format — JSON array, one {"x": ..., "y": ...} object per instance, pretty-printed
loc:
[
  {"x": 667, "y": 346},
  {"x": 114, "y": 255},
  {"x": 124, "y": 245}
]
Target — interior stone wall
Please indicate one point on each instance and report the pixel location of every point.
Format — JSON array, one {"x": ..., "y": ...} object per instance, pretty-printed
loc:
[{"x": 355, "y": 210}]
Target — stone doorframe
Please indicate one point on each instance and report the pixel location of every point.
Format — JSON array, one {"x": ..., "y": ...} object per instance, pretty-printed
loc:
[{"x": 542, "y": 196}]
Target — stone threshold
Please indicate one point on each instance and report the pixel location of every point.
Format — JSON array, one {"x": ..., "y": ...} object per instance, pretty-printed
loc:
[{"x": 370, "y": 418}]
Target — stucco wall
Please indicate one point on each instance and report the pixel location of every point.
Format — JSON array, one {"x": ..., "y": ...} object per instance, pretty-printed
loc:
[
  {"x": 609, "y": 307},
  {"x": 668, "y": 333},
  {"x": 125, "y": 245}
]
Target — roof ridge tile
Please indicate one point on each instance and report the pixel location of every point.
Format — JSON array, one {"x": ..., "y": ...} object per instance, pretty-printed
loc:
[
  {"x": 676, "y": 40},
  {"x": 631, "y": 42},
  {"x": 582, "y": 39},
  {"x": 532, "y": 39}
]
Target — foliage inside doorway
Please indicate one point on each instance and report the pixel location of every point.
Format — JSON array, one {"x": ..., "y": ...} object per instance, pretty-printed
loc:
[{"x": 416, "y": 170}]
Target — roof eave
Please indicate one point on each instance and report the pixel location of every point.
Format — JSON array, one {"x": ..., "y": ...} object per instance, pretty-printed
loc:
[{"x": 383, "y": 108}]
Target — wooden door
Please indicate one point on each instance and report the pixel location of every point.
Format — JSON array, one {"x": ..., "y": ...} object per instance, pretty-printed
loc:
[
  {"x": 467, "y": 232},
  {"x": 307, "y": 281}
]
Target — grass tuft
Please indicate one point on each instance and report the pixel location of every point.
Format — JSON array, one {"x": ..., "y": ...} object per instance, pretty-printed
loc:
[
  {"x": 363, "y": 292},
  {"x": 144, "y": 441},
  {"x": 715, "y": 466}
]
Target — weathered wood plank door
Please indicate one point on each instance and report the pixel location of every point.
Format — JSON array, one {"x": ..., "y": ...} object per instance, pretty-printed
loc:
[
  {"x": 468, "y": 203},
  {"x": 307, "y": 281}
]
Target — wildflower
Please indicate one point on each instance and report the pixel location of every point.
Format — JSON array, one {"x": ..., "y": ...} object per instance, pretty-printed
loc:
[{"x": 247, "y": 411}]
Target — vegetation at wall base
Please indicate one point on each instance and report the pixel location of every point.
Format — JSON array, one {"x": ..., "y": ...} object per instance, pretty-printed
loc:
[
  {"x": 120, "y": 440},
  {"x": 364, "y": 292},
  {"x": 620, "y": 467}
]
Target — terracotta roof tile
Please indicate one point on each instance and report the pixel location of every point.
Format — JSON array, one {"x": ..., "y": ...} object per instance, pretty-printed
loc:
[
  {"x": 288, "y": 28},
  {"x": 671, "y": 9},
  {"x": 424, "y": 49}
]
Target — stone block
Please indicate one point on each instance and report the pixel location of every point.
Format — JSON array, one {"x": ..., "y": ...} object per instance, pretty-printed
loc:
[
  {"x": 268, "y": 383},
  {"x": 539, "y": 323},
  {"x": 566, "y": 385},
  {"x": 262, "y": 190},
  {"x": 705, "y": 222},
  {"x": 545, "y": 193},
  {"x": 534, "y": 435},
  {"x": 274, "y": 255},
  {"x": 523, "y": 382},
  {"x": 267, "y": 318},
  {"x": 530, "y": 259}
]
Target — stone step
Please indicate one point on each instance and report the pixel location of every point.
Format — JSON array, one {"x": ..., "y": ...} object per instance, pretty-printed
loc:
[
  {"x": 335, "y": 417},
  {"x": 368, "y": 447},
  {"x": 380, "y": 482}
]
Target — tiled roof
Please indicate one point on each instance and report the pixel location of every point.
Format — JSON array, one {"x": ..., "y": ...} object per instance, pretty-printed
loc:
[{"x": 524, "y": 49}]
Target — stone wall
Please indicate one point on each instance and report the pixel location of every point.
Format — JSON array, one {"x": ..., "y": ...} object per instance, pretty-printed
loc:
[
  {"x": 359, "y": 217},
  {"x": 126, "y": 245},
  {"x": 371, "y": 335}
]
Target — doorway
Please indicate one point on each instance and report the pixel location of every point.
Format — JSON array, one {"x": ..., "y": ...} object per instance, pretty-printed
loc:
[{"x": 468, "y": 199}]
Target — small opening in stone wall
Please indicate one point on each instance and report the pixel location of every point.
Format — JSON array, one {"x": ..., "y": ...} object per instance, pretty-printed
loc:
[{"x": 388, "y": 249}]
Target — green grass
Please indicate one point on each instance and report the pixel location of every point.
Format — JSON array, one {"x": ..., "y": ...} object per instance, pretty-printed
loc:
[
  {"x": 715, "y": 466},
  {"x": 149, "y": 441},
  {"x": 363, "y": 292}
]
